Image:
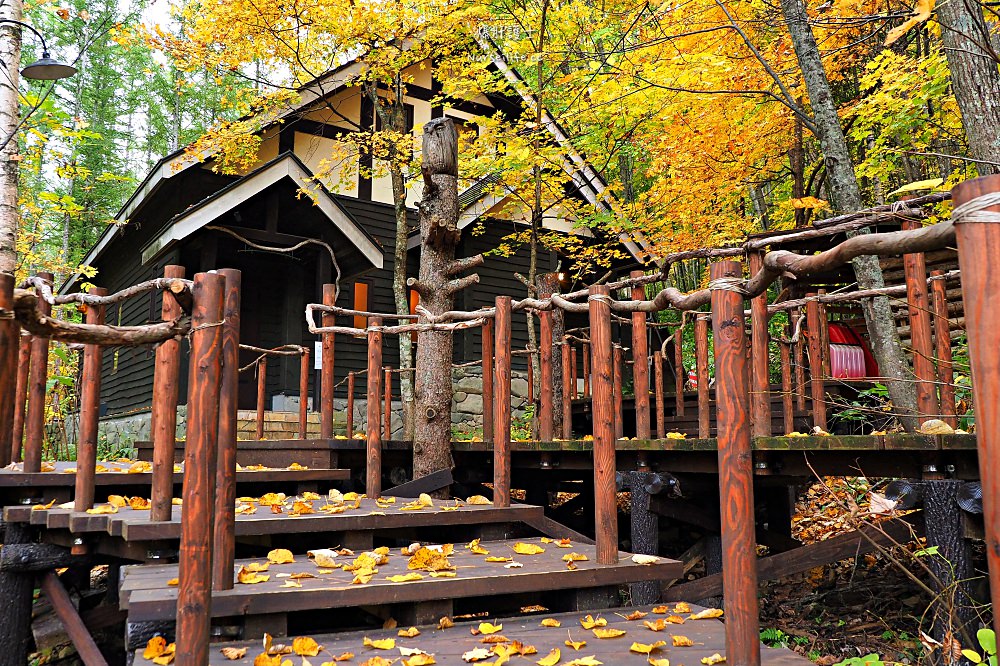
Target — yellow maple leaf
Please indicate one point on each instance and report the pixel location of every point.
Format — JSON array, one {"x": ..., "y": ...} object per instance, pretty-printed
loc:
[
  {"x": 574, "y": 557},
  {"x": 405, "y": 578},
  {"x": 646, "y": 648},
  {"x": 585, "y": 661},
  {"x": 714, "y": 659},
  {"x": 496, "y": 558},
  {"x": 576, "y": 645},
  {"x": 305, "y": 646},
  {"x": 476, "y": 548},
  {"x": 487, "y": 628},
  {"x": 477, "y": 499},
  {"x": 635, "y": 615},
  {"x": 706, "y": 614},
  {"x": 682, "y": 641},
  {"x": 658, "y": 662},
  {"x": 551, "y": 659},
  {"x": 522, "y": 548},
  {"x": 429, "y": 559},
  {"x": 551, "y": 622},
  {"x": 380, "y": 644},
  {"x": 174, "y": 581},
  {"x": 590, "y": 622},
  {"x": 408, "y": 633},
  {"x": 609, "y": 633},
  {"x": 445, "y": 623},
  {"x": 280, "y": 556},
  {"x": 443, "y": 574},
  {"x": 420, "y": 659},
  {"x": 247, "y": 577}
]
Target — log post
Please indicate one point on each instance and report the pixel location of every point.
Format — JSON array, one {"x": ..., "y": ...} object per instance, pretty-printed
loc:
[
  {"x": 163, "y": 420},
  {"x": 546, "y": 431},
  {"x": 942, "y": 339},
  {"x": 605, "y": 499},
  {"x": 501, "y": 405},
  {"x": 261, "y": 395},
  {"x": 574, "y": 380},
  {"x": 616, "y": 391},
  {"x": 373, "y": 485},
  {"x": 640, "y": 364},
  {"x": 90, "y": 404},
  {"x": 953, "y": 564},
  {"x": 661, "y": 424},
  {"x": 224, "y": 537},
  {"x": 585, "y": 352},
  {"x": 739, "y": 569},
  {"x": 548, "y": 283},
  {"x": 679, "y": 371},
  {"x": 800, "y": 366},
  {"x": 760, "y": 382},
  {"x": 326, "y": 371},
  {"x": 567, "y": 395},
  {"x": 20, "y": 397},
  {"x": 351, "y": 378},
  {"x": 824, "y": 335},
  {"x": 787, "y": 404},
  {"x": 305, "y": 370},
  {"x": 194, "y": 596},
  {"x": 16, "y": 591},
  {"x": 70, "y": 618},
  {"x": 978, "y": 247},
  {"x": 387, "y": 404},
  {"x": 645, "y": 533},
  {"x": 37, "y": 378},
  {"x": 487, "y": 337},
  {"x": 701, "y": 372},
  {"x": 10, "y": 332},
  {"x": 918, "y": 306},
  {"x": 816, "y": 383}
]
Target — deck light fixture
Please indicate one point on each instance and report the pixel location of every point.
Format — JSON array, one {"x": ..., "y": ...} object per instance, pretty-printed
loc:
[{"x": 45, "y": 68}]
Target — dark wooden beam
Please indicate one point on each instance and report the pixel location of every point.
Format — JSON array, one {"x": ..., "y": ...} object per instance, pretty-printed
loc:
[
  {"x": 70, "y": 617},
  {"x": 425, "y": 484}
]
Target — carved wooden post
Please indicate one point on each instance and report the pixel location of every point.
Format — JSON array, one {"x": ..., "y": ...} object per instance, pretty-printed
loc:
[
  {"x": 915, "y": 271},
  {"x": 739, "y": 569},
  {"x": 224, "y": 537},
  {"x": 351, "y": 378},
  {"x": 567, "y": 395},
  {"x": 701, "y": 372},
  {"x": 305, "y": 370},
  {"x": 816, "y": 379},
  {"x": 37, "y": 378},
  {"x": 387, "y": 404},
  {"x": 20, "y": 397},
  {"x": 501, "y": 405},
  {"x": 679, "y": 371},
  {"x": 800, "y": 365},
  {"x": 194, "y": 597},
  {"x": 978, "y": 247},
  {"x": 163, "y": 420},
  {"x": 10, "y": 333},
  {"x": 261, "y": 395},
  {"x": 661, "y": 424},
  {"x": 788, "y": 406},
  {"x": 640, "y": 364},
  {"x": 585, "y": 351},
  {"x": 326, "y": 372},
  {"x": 616, "y": 391},
  {"x": 605, "y": 505},
  {"x": 90, "y": 404},
  {"x": 373, "y": 486},
  {"x": 487, "y": 336},
  {"x": 942, "y": 339},
  {"x": 760, "y": 384},
  {"x": 546, "y": 424}
]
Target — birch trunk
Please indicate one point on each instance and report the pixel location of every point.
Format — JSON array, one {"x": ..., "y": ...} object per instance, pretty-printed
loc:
[{"x": 10, "y": 60}]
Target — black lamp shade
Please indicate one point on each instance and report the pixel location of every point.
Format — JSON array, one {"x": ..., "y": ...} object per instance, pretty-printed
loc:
[{"x": 47, "y": 69}]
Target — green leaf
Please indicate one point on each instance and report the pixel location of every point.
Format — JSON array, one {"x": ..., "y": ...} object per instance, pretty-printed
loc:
[
  {"x": 930, "y": 550},
  {"x": 987, "y": 640}
]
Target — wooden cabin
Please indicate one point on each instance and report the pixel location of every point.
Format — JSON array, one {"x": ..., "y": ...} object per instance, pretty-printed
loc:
[{"x": 182, "y": 213}]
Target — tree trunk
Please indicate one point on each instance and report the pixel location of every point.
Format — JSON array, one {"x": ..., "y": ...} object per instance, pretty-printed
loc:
[
  {"x": 974, "y": 76},
  {"x": 548, "y": 284},
  {"x": 437, "y": 286},
  {"x": 10, "y": 60},
  {"x": 845, "y": 195},
  {"x": 402, "y": 299}
]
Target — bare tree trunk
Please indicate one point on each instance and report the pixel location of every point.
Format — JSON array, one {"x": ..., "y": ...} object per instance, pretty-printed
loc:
[
  {"x": 10, "y": 60},
  {"x": 845, "y": 194},
  {"x": 437, "y": 286},
  {"x": 548, "y": 284},
  {"x": 974, "y": 76},
  {"x": 402, "y": 299}
]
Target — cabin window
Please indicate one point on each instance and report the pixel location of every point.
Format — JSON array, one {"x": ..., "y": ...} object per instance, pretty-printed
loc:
[{"x": 360, "y": 303}]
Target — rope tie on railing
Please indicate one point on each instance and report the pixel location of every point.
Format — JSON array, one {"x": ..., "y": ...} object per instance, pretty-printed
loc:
[
  {"x": 601, "y": 298},
  {"x": 208, "y": 325},
  {"x": 974, "y": 210},
  {"x": 734, "y": 284}
]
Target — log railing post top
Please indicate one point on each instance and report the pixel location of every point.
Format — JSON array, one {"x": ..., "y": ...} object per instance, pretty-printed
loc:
[
  {"x": 724, "y": 269},
  {"x": 6, "y": 281},
  {"x": 503, "y": 300},
  {"x": 599, "y": 290},
  {"x": 636, "y": 274},
  {"x": 970, "y": 189}
]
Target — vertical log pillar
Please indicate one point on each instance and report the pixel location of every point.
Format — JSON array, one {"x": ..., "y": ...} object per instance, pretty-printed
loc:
[
  {"x": 918, "y": 306},
  {"x": 574, "y": 381},
  {"x": 942, "y": 340},
  {"x": 978, "y": 247},
  {"x": 760, "y": 382},
  {"x": 645, "y": 533},
  {"x": 387, "y": 404},
  {"x": 640, "y": 364},
  {"x": 488, "y": 353},
  {"x": 800, "y": 365},
  {"x": 824, "y": 335},
  {"x": 701, "y": 371},
  {"x": 261, "y": 395},
  {"x": 679, "y": 371},
  {"x": 20, "y": 397},
  {"x": 501, "y": 405},
  {"x": 546, "y": 432},
  {"x": 373, "y": 486},
  {"x": 616, "y": 391},
  {"x": 816, "y": 378},
  {"x": 304, "y": 371},
  {"x": 953, "y": 566},
  {"x": 661, "y": 425},
  {"x": 326, "y": 371},
  {"x": 787, "y": 404},
  {"x": 163, "y": 420},
  {"x": 224, "y": 537},
  {"x": 739, "y": 569},
  {"x": 90, "y": 404},
  {"x": 605, "y": 499},
  {"x": 567, "y": 395},
  {"x": 585, "y": 351},
  {"x": 10, "y": 333},
  {"x": 351, "y": 379},
  {"x": 194, "y": 596},
  {"x": 16, "y": 591},
  {"x": 37, "y": 377}
]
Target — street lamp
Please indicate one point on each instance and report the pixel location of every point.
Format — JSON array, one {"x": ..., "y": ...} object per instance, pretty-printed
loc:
[{"x": 45, "y": 68}]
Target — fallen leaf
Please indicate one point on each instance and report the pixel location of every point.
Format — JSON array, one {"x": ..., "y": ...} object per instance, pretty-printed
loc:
[
  {"x": 645, "y": 559},
  {"x": 658, "y": 662},
  {"x": 682, "y": 641},
  {"x": 590, "y": 622},
  {"x": 477, "y": 499},
  {"x": 232, "y": 653},
  {"x": 646, "y": 648},
  {"x": 445, "y": 623},
  {"x": 576, "y": 645},
  {"x": 706, "y": 614},
  {"x": 513, "y": 565},
  {"x": 280, "y": 556},
  {"x": 420, "y": 659},
  {"x": 478, "y": 654},
  {"x": 443, "y": 574},
  {"x": 155, "y": 647},
  {"x": 656, "y": 625},
  {"x": 494, "y": 558},
  {"x": 408, "y": 633},
  {"x": 139, "y": 504},
  {"x": 476, "y": 548},
  {"x": 323, "y": 557},
  {"x": 551, "y": 622},
  {"x": 635, "y": 615},
  {"x": 304, "y": 646},
  {"x": 551, "y": 659},
  {"x": 174, "y": 581},
  {"x": 380, "y": 644},
  {"x": 660, "y": 610},
  {"x": 609, "y": 633},
  {"x": 375, "y": 661},
  {"x": 292, "y": 583},
  {"x": 584, "y": 661},
  {"x": 714, "y": 659},
  {"x": 487, "y": 628},
  {"x": 522, "y": 548},
  {"x": 405, "y": 578},
  {"x": 574, "y": 557},
  {"x": 247, "y": 577},
  {"x": 682, "y": 607}
]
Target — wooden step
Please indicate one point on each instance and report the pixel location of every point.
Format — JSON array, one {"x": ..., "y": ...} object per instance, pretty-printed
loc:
[
  {"x": 448, "y": 645},
  {"x": 147, "y": 597}
]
